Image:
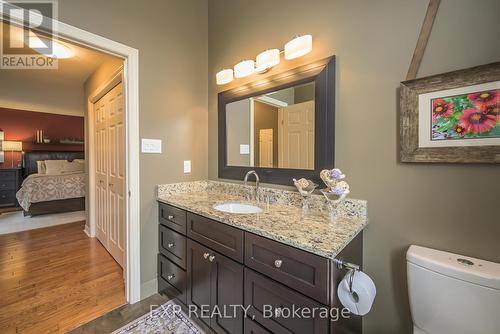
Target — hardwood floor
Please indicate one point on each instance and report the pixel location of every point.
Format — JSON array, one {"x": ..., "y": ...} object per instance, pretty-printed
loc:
[{"x": 55, "y": 279}]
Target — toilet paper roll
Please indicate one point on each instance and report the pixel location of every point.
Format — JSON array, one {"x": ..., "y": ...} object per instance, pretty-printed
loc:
[{"x": 360, "y": 301}]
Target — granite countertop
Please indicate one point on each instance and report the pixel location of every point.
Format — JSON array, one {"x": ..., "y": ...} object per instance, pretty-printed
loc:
[{"x": 313, "y": 232}]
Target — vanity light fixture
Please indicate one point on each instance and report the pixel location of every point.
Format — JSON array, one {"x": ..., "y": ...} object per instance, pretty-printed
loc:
[
  {"x": 297, "y": 47},
  {"x": 225, "y": 76},
  {"x": 244, "y": 68},
  {"x": 267, "y": 59}
]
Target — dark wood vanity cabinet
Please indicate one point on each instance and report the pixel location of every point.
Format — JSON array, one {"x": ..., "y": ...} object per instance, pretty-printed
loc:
[
  {"x": 217, "y": 281},
  {"x": 212, "y": 266}
]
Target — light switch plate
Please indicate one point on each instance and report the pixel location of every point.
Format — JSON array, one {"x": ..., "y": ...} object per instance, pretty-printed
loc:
[
  {"x": 244, "y": 149},
  {"x": 151, "y": 145},
  {"x": 187, "y": 166}
]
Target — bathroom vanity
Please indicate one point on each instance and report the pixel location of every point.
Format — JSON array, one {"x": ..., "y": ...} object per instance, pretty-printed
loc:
[{"x": 280, "y": 257}]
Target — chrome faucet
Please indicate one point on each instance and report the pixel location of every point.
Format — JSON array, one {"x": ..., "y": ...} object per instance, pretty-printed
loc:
[{"x": 257, "y": 180}]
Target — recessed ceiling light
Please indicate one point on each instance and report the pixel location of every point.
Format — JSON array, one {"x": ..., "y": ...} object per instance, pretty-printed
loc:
[{"x": 50, "y": 48}]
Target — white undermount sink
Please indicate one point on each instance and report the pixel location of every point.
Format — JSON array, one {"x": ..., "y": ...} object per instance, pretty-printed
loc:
[{"x": 241, "y": 208}]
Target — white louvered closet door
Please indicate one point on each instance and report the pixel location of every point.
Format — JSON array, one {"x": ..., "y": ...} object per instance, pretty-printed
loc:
[{"x": 110, "y": 172}]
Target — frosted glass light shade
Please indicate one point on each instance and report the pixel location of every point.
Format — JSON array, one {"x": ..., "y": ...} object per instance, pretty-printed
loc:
[
  {"x": 267, "y": 59},
  {"x": 244, "y": 68},
  {"x": 224, "y": 76},
  {"x": 298, "y": 47}
]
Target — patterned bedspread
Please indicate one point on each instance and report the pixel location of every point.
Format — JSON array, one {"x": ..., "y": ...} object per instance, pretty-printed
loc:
[{"x": 42, "y": 187}]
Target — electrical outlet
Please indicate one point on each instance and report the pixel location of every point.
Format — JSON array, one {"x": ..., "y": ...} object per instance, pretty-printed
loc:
[{"x": 187, "y": 166}]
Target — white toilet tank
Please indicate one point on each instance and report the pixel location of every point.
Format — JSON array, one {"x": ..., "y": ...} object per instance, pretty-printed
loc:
[{"x": 452, "y": 294}]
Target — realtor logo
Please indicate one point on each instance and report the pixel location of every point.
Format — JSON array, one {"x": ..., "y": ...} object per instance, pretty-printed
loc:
[{"x": 27, "y": 35}]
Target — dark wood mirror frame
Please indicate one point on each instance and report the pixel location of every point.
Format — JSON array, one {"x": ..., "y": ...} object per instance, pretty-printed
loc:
[{"x": 322, "y": 73}]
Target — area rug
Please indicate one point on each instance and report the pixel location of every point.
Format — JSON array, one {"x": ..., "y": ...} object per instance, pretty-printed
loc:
[{"x": 166, "y": 319}]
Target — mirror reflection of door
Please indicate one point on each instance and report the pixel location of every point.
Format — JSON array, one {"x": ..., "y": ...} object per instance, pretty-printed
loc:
[
  {"x": 274, "y": 130},
  {"x": 296, "y": 136},
  {"x": 266, "y": 148}
]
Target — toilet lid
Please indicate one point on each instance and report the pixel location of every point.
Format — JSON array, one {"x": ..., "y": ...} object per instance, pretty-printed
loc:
[{"x": 462, "y": 267}]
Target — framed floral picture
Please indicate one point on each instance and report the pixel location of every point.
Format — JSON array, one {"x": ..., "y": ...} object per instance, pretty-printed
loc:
[{"x": 452, "y": 117}]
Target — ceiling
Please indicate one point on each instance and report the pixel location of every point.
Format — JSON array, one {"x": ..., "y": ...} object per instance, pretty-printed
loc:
[{"x": 75, "y": 69}]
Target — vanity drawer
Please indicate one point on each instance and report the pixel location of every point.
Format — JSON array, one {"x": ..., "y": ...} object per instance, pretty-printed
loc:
[
  {"x": 222, "y": 238},
  {"x": 300, "y": 270},
  {"x": 172, "y": 245},
  {"x": 172, "y": 217},
  {"x": 272, "y": 306},
  {"x": 171, "y": 278},
  {"x": 8, "y": 184},
  {"x": 252, "y": 327}
]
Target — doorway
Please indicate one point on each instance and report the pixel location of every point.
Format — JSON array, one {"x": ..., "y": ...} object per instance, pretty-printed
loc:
[{"x": 131, "y": 129}]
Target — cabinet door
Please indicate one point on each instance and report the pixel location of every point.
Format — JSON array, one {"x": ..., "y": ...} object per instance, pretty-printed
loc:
[
  {"x": 199, "y": 271},
  {"x": 272, "y": 305},
  {"x": 226, "y": 293}
]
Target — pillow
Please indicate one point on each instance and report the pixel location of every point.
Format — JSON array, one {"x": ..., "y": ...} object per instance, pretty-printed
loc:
[
  {"x": 41, "y": 168},
  {"x": 73, "y": 167},
  {"x": 54, "y": 166}
]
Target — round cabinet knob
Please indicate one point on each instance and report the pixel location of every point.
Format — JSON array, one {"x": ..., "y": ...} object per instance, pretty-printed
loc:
[
  {"x": 211, "y": 258},
  {"x": 278, "y": 312},
  {"x": 170, "y": 217},
  {"x": 170, "y": 245},
  {"x": 205, "y": 255},
  {"x": 170, "y": 277},
  {"x": 278, "y": 263}
]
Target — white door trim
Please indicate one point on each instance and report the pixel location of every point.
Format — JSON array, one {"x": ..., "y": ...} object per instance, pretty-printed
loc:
[{"x": 131, "y": 81}]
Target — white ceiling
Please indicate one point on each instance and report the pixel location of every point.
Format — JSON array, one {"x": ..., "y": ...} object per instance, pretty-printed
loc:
[{"x": 76, "y": 69}]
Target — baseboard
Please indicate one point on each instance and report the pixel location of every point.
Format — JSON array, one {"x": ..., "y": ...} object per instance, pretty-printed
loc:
[
  {"x": 149, "y": 288},
  {"x": 87, "y": 231}
]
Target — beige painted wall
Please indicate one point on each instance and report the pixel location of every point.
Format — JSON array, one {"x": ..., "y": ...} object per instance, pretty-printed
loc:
[
  {"x": 238, "y": 132},
  {"x": 57, "y": 96},
  {"x": 171, "y": 37},
  {"x": 450, "y": 207}
]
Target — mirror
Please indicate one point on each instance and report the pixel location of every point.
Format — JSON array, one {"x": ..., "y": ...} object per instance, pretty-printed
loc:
[
  {"x": 282, "y": 127},
  {"x": 273, "y": 130}
]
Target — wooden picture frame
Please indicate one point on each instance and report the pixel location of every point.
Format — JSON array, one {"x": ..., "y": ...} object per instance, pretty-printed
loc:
[
  {"x": 322, "y": 73},
  {"x": 460, "y": 151}
]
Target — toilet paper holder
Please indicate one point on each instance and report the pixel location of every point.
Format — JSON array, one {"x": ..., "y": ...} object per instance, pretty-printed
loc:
[{"x": 341, "y": 264}]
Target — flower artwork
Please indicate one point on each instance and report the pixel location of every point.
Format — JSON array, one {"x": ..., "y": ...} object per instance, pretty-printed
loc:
[{"x": 466, "y": 116}]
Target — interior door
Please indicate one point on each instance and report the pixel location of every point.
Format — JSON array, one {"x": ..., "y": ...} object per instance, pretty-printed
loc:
[
  {"x": 101, "y": 171},
  {"x": 109, "y": 132},
  {"x": 266, "y": 148},
  {"x": 296, "y": 136},
  {"x": 116, "y": 173}
]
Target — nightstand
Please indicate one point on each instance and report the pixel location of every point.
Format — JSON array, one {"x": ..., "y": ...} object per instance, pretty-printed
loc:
[{"x": 10, "y": 182}]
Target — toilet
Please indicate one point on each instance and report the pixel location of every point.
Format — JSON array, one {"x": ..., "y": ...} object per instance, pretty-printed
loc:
[{"x": 452, "y": 294}]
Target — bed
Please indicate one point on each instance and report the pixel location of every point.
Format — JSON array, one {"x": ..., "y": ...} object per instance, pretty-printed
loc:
[{"x": 45, "y": 194}]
